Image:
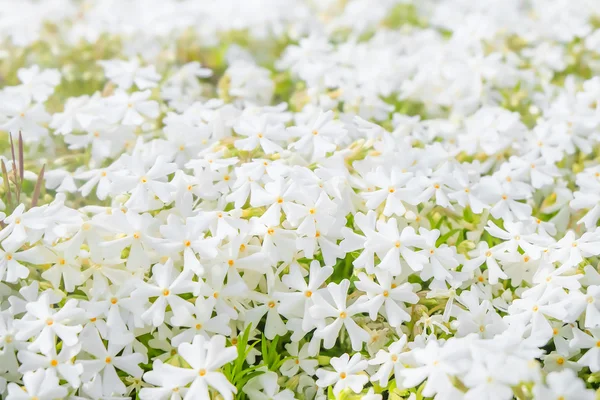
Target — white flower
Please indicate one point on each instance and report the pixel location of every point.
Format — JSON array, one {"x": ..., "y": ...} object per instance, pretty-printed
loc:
[
  {"x": 204, "y": 358},
  {"x": 390, "y": 245},
  {"x": 62, "y": 363},
  {"x": 41, "y": 384},
  {"x": 19, "y": 114},
  {"x": 332, "y": 304},
  {"x": 300, "y": 360},
  {"x": 387, "y": 294},
  {"x": 389, "y": 362},
  {"x": 168, "y": 385},
  {"x": 435, "y": 364},
  {"x": 37, "y": 84},
  {"x": 106, "y": 361},
  {"x": 298, "y": 302},
  {"x": 265, "y": 387},
  {"x": 590, "y": 341},
  {"x": 11, "y": 267},
  {"x": 259, "y": 131},
  {"x": 348, "y": 373},
  {"x": 46, "y": 323},
  {"x": 127, "y": 73},
  {"x": 199, "y": 321},
  {"x": 563, "y": 385},
  {"x": 131, "y": 109},
  {"x": 167, "y": 285},
  {"x": 318, "y": 137}
]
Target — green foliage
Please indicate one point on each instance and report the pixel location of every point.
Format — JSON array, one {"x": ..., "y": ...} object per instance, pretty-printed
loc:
[
  {"x": 239, "y": 372},
  {"x": 402, "y": 15},
  {"x": 271, "y": 355},
  {"x": 344, "y": 269}
]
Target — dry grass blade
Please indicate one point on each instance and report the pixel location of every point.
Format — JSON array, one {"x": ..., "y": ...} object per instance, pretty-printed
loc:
[
  {"x": 21, "y": 158},
  {"x": 6, "y": 182},
  {"x": 19, "y": 182},
  {"x": 12, "y": 151},
  {"x": 38, "y": 187}
]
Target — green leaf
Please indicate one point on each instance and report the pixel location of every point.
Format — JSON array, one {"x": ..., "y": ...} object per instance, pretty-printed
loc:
[{"x": 444, "y": 238}]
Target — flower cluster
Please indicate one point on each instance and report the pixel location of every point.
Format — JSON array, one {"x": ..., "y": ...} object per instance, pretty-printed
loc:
[{"x": 288, "y": 199}]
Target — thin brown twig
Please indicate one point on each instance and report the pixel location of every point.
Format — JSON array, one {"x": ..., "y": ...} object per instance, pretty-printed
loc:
[
  {"x": 6, "y": 182},
  {"x": 12, "y": 151},
  {"x": 14, "y": 169},
  {"x": 21, "y": 158},
  {"x": 38, "y": 187}
]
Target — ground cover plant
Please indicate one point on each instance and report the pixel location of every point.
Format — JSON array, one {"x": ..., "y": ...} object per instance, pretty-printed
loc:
[{"x": 299, "y": 199}]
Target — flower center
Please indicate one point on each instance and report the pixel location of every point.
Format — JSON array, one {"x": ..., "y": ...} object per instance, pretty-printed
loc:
[{"x": 202, "y": 372}]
